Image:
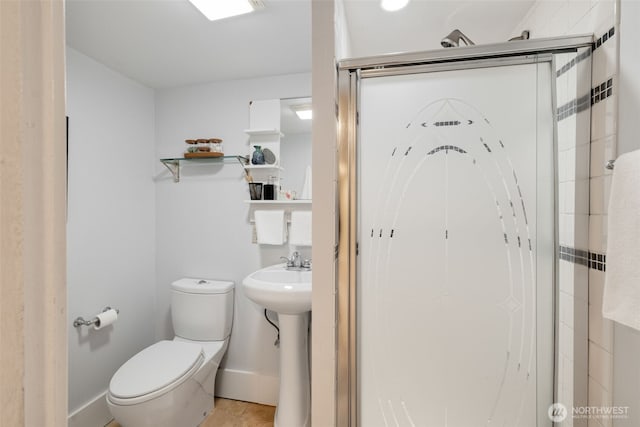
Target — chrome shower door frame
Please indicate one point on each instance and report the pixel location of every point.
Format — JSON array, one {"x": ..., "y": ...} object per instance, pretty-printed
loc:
[{"x": 350, "y": 73}]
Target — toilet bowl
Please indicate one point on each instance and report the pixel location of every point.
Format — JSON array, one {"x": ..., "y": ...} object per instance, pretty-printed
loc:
[{"x": 171, "y": 383}]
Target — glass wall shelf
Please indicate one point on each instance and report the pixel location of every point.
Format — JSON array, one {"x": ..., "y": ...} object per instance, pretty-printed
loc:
[{"x": 173, "y": 164}]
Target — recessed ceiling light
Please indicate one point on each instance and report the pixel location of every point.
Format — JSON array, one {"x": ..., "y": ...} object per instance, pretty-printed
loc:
[
  {"x": 393, "y": 5},
  {"x": 220, "y": 9},
  {"x": 303, "y": 111}
]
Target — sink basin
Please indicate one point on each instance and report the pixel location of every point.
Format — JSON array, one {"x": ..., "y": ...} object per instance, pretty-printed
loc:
[
  {"x": 288, "y": 293},
  {"x": 280, "y": 290}
]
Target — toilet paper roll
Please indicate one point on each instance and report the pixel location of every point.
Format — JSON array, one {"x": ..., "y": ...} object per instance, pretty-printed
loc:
[{"x": 105, "y": 319}]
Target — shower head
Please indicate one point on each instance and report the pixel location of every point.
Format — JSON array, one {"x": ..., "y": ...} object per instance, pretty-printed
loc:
[{"x": 453, "y": 39}]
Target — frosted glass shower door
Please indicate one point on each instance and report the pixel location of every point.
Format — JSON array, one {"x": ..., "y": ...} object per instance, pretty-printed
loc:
[{"x": 451, "y": 224}]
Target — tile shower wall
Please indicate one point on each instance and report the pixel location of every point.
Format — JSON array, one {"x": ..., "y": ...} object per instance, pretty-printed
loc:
[{"x": 583, "y": 198}]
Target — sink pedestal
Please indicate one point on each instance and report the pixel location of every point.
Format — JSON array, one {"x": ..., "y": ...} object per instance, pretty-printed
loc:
[
  {"x": 294, "y": 395},
  {"x": 288, "y": 293}
]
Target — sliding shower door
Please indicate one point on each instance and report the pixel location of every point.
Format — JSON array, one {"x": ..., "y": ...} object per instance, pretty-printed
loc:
[{"x": 455, "y": 240}]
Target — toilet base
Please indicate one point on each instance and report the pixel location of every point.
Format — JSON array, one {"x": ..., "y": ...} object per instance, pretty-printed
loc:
[{"x": 185, "y": 406}]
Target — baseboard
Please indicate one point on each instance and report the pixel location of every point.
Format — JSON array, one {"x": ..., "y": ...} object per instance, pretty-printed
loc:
[
  {"x": 94, "y": 414},
  {"x": 247, "y": 386}
]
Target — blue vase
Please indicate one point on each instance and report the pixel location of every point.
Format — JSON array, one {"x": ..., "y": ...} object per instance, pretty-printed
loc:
[{"x": 258, "y": 156}]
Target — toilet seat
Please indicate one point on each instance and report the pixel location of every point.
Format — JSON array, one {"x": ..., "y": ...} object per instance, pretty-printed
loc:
[{"x": 154, "y": 371}]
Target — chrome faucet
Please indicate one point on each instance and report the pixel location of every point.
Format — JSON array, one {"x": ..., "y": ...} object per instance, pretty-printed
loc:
[{"x": 296, "y": 262}]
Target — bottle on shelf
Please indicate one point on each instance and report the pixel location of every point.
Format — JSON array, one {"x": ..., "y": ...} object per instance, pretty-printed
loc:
[
  {"x": 257, "y": 158},
  {"x": 270, "y": 189}
]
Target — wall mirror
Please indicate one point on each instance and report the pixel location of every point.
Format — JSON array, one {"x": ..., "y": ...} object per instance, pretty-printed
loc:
[{"x": 295, "y": 155}]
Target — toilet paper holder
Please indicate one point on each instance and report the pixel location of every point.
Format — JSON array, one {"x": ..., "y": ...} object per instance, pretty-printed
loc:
[{"x": 81, "y": 322}]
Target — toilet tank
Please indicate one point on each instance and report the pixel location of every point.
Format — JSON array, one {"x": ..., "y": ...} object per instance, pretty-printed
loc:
[{"x": 202, "y": 309}]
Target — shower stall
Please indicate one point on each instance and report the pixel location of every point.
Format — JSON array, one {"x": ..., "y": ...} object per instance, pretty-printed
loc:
[{"x": 449, "y": 223}]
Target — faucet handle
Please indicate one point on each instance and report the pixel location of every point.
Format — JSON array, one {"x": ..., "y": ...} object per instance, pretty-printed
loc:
[
  {"x": 289, "y": 262},
  {"x": 306, "y": 264}
]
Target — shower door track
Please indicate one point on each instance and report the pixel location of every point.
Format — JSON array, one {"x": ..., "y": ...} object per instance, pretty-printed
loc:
[{"x": 350, "y": 73}]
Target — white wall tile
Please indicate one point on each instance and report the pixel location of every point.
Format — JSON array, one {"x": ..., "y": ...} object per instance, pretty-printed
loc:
[
  {"x": 600, "y": 366},
  {"x": 566, "y": 341},
  {"x": 582, "y": 162},
  {"x": 596, "y": 287},
  {"x": 610, "y": 151},
  {"x": 603, "y": 116},
  {"x": 580, "y": 231},
  {"x": 577, "y": 11},
  {"x": 570, "y": 198},
  {"x": 600, "y": 329},
  {"x": 569, "y": 230},
  {"x": 581, "y": 199},
  {"x": 602, "y": 150},
  {"x": 598, "y": 233},
  {"x": 581, "y": 282},
  {"x": 580, "y": 323},
  {"x": 566, "y": 309},
  {"x": 567, "y": 381},
  {"x": 602, "y": 16},
  {"x": 565, "y": 276},
  {"x": 604, "y": 60},
  {"x": 571, "y": 164},
  {"x": 599, "y": 397},
  {"x": 596, "y": 200},
  {"x": 582, "y": 132}
]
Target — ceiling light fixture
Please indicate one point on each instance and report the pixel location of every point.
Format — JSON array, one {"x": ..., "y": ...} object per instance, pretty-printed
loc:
[
  {"x": 393, "y": 5},
  {"x": 220, "y": 9},
  {"x": 303, "y": 111}
]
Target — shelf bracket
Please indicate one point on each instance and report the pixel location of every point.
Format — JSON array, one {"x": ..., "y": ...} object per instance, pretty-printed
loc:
[
  {"x": 174, "y": 168},
  {"x": 243, "y": 161}
]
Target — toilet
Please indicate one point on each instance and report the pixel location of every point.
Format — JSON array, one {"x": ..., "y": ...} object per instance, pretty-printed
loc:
[{"x": 171, "y": 383}]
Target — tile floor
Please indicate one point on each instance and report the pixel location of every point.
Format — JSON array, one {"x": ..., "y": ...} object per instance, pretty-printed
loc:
[{"x": 235, "y": 413}]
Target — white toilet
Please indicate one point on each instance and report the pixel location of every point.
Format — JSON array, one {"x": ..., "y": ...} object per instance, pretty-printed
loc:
[{"x": 171, "y": 383}]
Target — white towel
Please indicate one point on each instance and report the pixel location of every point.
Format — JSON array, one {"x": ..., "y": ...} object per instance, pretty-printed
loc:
[
  {"x": 306, "y": 188},
  {"x": 270, "y": 227},
  {"x": 621, "y": 299},
  {"x": 300, "y": 234}
]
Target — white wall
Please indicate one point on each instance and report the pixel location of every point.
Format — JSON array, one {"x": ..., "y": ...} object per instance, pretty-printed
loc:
[
  {"x": 626, "y": 355},
  {"x": 585, "y": 369},
  {"x": 111, "y": 221},
  {"x": 203, "y": 225}
]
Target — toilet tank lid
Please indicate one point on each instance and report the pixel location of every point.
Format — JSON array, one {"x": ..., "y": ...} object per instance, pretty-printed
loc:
[{"x": 202, "y": 286}]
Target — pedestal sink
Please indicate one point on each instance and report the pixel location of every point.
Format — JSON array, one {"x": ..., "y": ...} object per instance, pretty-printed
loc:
[{"x": 288, "y": 293}]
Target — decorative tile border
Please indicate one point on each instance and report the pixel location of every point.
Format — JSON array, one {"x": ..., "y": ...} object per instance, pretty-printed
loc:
[
  {"x": 589, "y": 259},
  {"x": 574, "y": 106},
  {"x": 569, "y": 65},
  {"x": 603, "y": 38},
  {"x": 584, "y": 55},
  {"x": 598, "y": 93},
  {"x": 598, "y": 261},
  {"x": 602, "y": 91}
]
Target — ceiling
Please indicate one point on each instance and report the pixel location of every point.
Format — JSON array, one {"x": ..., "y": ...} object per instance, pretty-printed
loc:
[{"x": 168, "y": 43}]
